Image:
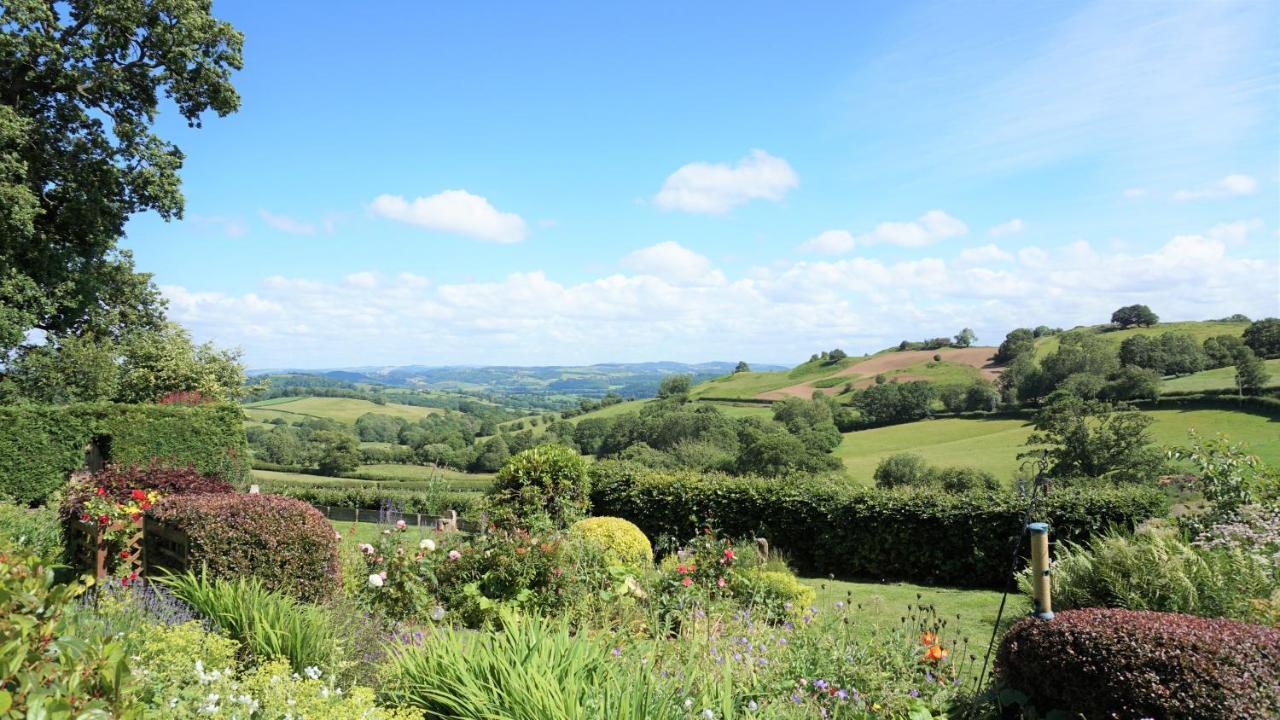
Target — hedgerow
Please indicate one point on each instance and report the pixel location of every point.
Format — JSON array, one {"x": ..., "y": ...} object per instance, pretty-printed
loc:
[
  {"x": 118, "y": 482},
  {"x": 921, "y": 535},
  {"x": 367, "y": 498},
  {"x": 285, "y": 543},
  {"x": 1134, "y": 664},
  {"x": 40, "y": 445}
]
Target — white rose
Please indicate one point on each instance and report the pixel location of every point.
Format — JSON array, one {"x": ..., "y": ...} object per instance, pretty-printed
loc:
[
  {"x": 375, "y": 580},
  {"x": 427, "y": 544}
]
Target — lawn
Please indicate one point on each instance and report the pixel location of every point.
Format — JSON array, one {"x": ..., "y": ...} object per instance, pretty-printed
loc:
[
  {"x": 344, "y": 410},
  {"x": 883, "y": 605},
  {"x": 1217, "y": 379},
  {"x": 612, "y": 411},
  {"x": 993, "y": 445},
  {"x": 1201, "y": 331}
]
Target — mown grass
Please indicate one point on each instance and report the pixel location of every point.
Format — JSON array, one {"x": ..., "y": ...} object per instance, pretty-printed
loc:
[
  {"x": 344, "y": 410},
  {"x": 969, "y": 614},
  {"x": 1217, "y": 379},
  {"x": 393, "y": 477},
  {"x": 1200, "y": 330},
  {"x": 612, "y": 411},
  {"x": 993, "y": 445},
  {"x": 745, "y": 384}
]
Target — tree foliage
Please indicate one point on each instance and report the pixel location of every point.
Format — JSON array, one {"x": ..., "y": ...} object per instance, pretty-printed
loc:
[
  {"x": 1134, "y": 316},
  {"x": 1084, "y": 439},
  {"x": 1263, "y": 337},
  {"x": 80, "y": 88}
]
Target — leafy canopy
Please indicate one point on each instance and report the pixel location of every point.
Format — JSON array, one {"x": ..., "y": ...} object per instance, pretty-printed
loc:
[{"x": 80, "y": 88}]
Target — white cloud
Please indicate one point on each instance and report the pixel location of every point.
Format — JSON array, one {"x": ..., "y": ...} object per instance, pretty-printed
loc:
[
  {"x": 984, "y": 254},
  {"x": 1134, "y": 193},
  {"x": 667, "y": 309},
  {"x": 1235, "y": 233},
  {"x": 453, "y": 211},
  {"x": 674, "y": 262},
  {"x": 702, "y": 187},
  {"x": 830, "y": 242},
  {"x": 287, "y": 224},
  {"x": 1012, "y": 227},
  {"x": 1229, "y": 186},
  {"x": 929, "y": 228}
]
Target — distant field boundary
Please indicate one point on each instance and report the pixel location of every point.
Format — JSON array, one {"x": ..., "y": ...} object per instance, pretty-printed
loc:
[{"x": 740, "y": 401}]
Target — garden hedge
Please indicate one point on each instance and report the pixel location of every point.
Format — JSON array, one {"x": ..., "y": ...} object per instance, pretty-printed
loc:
[
  {"x": 1105, "y": 663},
  {"x": 828, "y": 526},
  {"x": 40, "y": 445},
  {"x": 374, "y": 498},
  {"x": 285, "y": 543}
]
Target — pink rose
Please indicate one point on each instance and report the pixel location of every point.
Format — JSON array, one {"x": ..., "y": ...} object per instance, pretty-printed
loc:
[{"x": 454, "y": 555}]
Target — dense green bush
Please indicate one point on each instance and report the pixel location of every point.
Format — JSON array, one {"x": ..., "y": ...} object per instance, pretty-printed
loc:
[
  {"x": 775, "y": 594},
  {"x": 910, "y": 470},
  {"x": 548, "y": 481},
  {"x": 37, "y": 531},
  {"x": 1158, "y": 570},
  {"x": 48, "y": 672},
  {"x": 285, "y": 543},
  {"x": 826, "y": 527},
  {"x": 1133, "y": 664},
  {"x": 40, "y": 445}
]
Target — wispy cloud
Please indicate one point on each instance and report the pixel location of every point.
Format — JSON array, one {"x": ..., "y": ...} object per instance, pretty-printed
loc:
[
  {"x": 701, "y": 187},
  {"x": 1229, "y": 186},
  {"x": 285, "y": 223},
  {"x": 1012, "y": 227},
  {"x": 457, "y": 212}
]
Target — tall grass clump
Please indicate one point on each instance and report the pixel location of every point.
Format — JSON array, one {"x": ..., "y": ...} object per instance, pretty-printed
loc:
[
  {"x": 1157, "y": 570},
  {"x": 266, "y": 624},
  {"x": 534, "y": 669}
]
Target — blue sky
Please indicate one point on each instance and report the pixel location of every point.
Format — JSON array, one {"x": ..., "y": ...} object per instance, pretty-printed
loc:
[{"x": 573, "y": 183}]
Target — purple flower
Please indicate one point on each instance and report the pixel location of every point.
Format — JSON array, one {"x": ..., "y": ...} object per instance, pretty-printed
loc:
[
  {"x": 915, "y": 692},
  {"x": 842, "y": 694},
  {"x": 821, "y": 684}
]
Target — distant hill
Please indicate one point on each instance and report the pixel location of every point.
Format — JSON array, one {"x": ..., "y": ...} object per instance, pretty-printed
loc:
[{"x": 626, "y": 379}]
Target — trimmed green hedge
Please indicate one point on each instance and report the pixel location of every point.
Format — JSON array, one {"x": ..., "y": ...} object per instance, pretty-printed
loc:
[
  {"x": 373, "y": 498},
  {"x": 40, "y": 445},
  {"x": 919, "y": 535}
]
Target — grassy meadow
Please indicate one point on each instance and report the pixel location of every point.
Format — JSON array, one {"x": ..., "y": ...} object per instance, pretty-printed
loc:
[
  {"x": 1216, "y": 379},
  {"x": 993, "y": 444},
  {"x": 1201, "y": 331},
  {"x": 344, "y": 410}
]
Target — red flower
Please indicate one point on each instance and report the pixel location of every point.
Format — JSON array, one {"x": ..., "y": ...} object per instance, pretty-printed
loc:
[
  {"x": 136, "y": 517},
  {"x": 84, "y": 517},
  {"x": 682, "y": 569},
  {"x": 687, "y": 581},
  {"x": 138, "y": 495},
  {"x": 101, "y": 490},
  {"x": 103, "y": 520},
  {"x": 728, "y": 554},
  {"x": 146, "y": 505},
  {"x": 124, "y": 554}
]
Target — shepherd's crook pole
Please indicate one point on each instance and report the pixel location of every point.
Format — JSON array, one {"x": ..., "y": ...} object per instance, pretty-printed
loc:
[{"x": 1043, "y": 608}]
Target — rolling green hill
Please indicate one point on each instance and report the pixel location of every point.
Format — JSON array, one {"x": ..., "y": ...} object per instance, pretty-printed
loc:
[
  {"x": 1217, "y": 379},
  {"x": 993, "y": 444},
  {"x": 344, "y": 410},
  {"x": 1200, "y": 330}
]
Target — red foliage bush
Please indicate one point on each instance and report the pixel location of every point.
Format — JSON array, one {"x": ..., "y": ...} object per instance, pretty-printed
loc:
[
  {"x": 1105, "y": 663},
  {"x": 285, "y": 543},
  {"x": 118, "y": 482},
  {"x": 183, "y": 397}
]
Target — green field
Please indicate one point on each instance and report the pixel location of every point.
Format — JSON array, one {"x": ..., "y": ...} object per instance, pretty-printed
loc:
[
  {"x": 621, "y": 408},
  {"x": 993, "y": 445},
  {"x": 1201, "y": 331},
  {"x": 884, "y": 604},
  {"x": 1217, "y": 379},
  {"x": 743, "y": 385},
  {"x": 344, "y": 410},
  {"x": 396, "y": 477}
]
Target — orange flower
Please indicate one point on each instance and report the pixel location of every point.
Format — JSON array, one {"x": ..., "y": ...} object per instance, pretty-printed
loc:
[
  {"x": 928, "y": 639},
  {"x": 935, "y": 653}
]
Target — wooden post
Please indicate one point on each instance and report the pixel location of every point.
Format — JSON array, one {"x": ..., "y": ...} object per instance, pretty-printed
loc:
[{"x": 1042, "y": 603}]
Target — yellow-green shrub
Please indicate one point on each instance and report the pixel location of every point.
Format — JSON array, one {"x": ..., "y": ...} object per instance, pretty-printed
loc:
[
  {"x": 775, "y": 594},
  {"x": 621, "y": 542}
]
